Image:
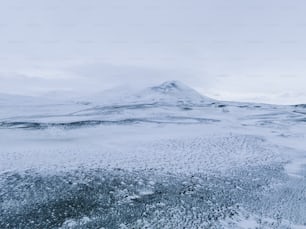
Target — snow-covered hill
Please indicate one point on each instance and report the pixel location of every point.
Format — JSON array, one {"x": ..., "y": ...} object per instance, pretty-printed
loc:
[{"x": 170, "y": 93}]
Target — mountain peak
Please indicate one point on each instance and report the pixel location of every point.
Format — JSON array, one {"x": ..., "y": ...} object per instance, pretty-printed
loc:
[
  {"x": 174, "y": 91},
  {"x": 169, "y": 86}
]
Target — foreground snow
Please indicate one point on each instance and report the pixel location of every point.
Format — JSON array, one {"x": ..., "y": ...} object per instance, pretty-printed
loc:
[{"x": 164, "y": 157}]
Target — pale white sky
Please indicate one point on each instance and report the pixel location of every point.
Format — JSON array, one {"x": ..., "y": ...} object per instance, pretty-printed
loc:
[{"x": 226, "y": 49}]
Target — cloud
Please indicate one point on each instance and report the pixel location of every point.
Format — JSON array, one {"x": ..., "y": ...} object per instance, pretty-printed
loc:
[{"x": 88, "y": 78}]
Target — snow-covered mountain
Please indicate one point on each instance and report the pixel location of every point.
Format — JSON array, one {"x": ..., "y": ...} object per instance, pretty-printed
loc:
[{"x": 170, "y": 93}]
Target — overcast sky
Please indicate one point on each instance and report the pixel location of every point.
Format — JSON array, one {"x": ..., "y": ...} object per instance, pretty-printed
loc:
[{"x": 226, "y": 49}]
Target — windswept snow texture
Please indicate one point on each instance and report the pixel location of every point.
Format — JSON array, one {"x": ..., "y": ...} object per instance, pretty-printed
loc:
[{"x": 162, "y": 157}]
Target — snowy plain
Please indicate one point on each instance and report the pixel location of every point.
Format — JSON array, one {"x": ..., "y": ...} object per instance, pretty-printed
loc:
[{"x": 161, "y": 157}]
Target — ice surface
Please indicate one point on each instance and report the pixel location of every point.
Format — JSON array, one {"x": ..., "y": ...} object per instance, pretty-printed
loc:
[{"x": 161, "y": 157}]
